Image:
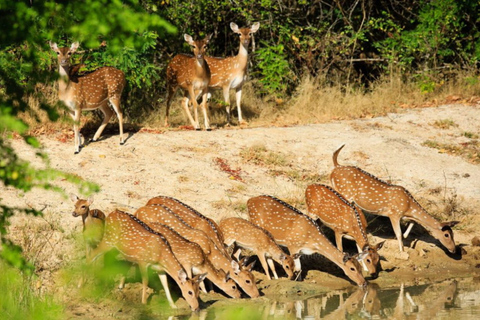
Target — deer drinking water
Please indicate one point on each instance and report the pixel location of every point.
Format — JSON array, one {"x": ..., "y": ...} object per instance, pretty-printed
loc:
[
  {"x": 300, "y": 234},
  {"x": 194, "y": 260},
  {"x": 245, "y": 234},
  {"x": 345, "y": 219},
  {"x": 231, "y": 72},
  {"x": 138, "y": 243},
  {"x": 240, "y": 274},
  {"x": 192, "y": 75},
  {"x": 89, "y": 92},
  {"x": 382, "y": 198},
  {"x": 194, "y": 218}
]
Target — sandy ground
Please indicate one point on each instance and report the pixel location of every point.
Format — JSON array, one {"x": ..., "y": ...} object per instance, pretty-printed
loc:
[{"x": 184, "y": 165}]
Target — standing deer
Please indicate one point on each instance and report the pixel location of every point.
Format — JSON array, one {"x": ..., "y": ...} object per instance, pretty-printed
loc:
[
  {"x": 193, "y": 218},
  {"x": 138, "y": 243},
  {"x": 300, "y": 234},
  {"x": 245, "y": 234},
  {"x": 93, "y": 222},
  {"x": 345, "y": 219},
  {"x": 192, "y": 75},
  {"x": 194, "y": 260},
  {"x": 93, "y": 225},
  {"x": 89, "y": 92},
  {"x": 231, "y": 72},
  {"x": 240, "y": 274},
  {"x": 385, "y": 199}
]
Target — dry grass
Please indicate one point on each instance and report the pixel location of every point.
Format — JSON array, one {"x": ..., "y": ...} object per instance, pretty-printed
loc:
[
  {"x": 313, "y": 102},
  {"x": 468, "y": 150}
]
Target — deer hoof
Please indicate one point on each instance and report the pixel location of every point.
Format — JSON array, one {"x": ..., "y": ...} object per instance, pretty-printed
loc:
[
  {"x": 209, "y": 129},
  {"x": 198, "y": 129},
  {"x": 122, "y": 143}
]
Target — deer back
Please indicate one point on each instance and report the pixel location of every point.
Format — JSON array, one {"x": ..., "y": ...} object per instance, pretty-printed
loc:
[
  {"x": 162, "y": 214},
  {"x": 192, "y": 217},
  {"x": 380, "y": 197},
  {"x": 336, "y": 212},
  {"x": 299, "y": 233}
]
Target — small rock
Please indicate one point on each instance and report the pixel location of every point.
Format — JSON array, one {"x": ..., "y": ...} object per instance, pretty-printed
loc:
[{"x": 476, "y": 241}]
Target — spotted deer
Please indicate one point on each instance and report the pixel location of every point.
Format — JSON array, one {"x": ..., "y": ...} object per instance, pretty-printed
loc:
[
  {"x": 244, "y": 234},
  {"x": 93, "y": 225},
  {"x": 231, "y": 72},
  {"x": 193, "y": 218},
  {"x": 194, "y": 260},
  {"x": 192, "y": 75},
  {"x": 240, "y": 274},
  {"x": 138, "y": 243},
  {"x": 93, "y": 222},
  {"x": 89, "y": 92},
  {"x": 300, "y": 234},
  {"x": 345, "y": 219},
  {"x": 382, "y": 198}
]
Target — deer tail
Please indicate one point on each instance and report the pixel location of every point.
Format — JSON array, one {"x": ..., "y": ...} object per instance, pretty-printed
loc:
[{"x": 335, "y": 155}]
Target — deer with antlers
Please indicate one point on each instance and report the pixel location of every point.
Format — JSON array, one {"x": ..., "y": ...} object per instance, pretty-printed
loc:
[
  {"x": 244, "y": 234},
  {"x": 382, "y": 198},
  {"x": 89, "y": 92},
  {"x": 345, "y": 219},
  {"x": 138, "y": 243},
  {"x": 231, "y": 72},
  {"x": 300, "y": 234},
  {"x": 240, "y": 274},
  {"x": 192, "y": 75}
]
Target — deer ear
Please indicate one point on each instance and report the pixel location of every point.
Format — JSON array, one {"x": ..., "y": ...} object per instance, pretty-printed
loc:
[
  {"x": 296, "y": 256},
  {"x": 227, "y": 276},
  {"x": 73, "y": 197},
  {"x": 209, "y": 37},
  {"x": 282, "y": 257},
  {"x": 449, "y": 224},
  {"x": 249, "y": 268},
  {"x": 234, "y": 27},
  {"x": 74, "y": 46},
  {"x": 235, "y": 266},
  {"x": 90, "y": 200},
  {"x": 182, "y": 275},
  {"x": 346, "y": 257},
  {"x": 380, "y": 245},
  {"x": 361, "y": 256},
  {"x": 188, "y": 38},
  {"x": 255, "y": 27},
  {"x": 53, "y": 45},
  {"x": 199, "y": 278}
]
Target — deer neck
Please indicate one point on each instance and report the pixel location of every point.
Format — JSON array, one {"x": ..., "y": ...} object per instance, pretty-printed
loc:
[
  {"x": 242, "y": 57},
  {"x": 327, "y": 249},
  {"x": 63, "y": 82},
  {"x": 421, "y": 216}
]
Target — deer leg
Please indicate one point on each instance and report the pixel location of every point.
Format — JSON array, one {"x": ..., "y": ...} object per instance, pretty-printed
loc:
[
  {"x": 204, "y": 110},
  {"x": 76, "y": 130},
  {"x": 272, "y": 267},
  {"x": 226, "y": 97},
  {"x": 171, "y": 92},
  {"x": 107, "y": 114},
  {"x": 338, "y": 240},
  {"x": 115, "y": 101},
  {"x": 263, "y": 261},
  {"x": 187, "y": 111},
  {"x": 164, "y": 281},
  {"x": 409, "y": 228},
  {"x": 398, "y": 231},
  {"x": 144, "y": 274},
  {"x": 238, "y": 96}
]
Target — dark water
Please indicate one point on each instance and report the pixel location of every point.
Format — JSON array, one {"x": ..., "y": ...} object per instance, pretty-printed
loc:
[{"x": 452, "y": 299}]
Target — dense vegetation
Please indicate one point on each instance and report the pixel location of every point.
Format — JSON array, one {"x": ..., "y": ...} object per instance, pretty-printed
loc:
[{"x": 351, "y": 44}]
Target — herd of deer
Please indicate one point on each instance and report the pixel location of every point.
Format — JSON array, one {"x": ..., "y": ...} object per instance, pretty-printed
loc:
[
  {"x": 195, "y": 75},
  {"x": 174, "y": 239}
]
